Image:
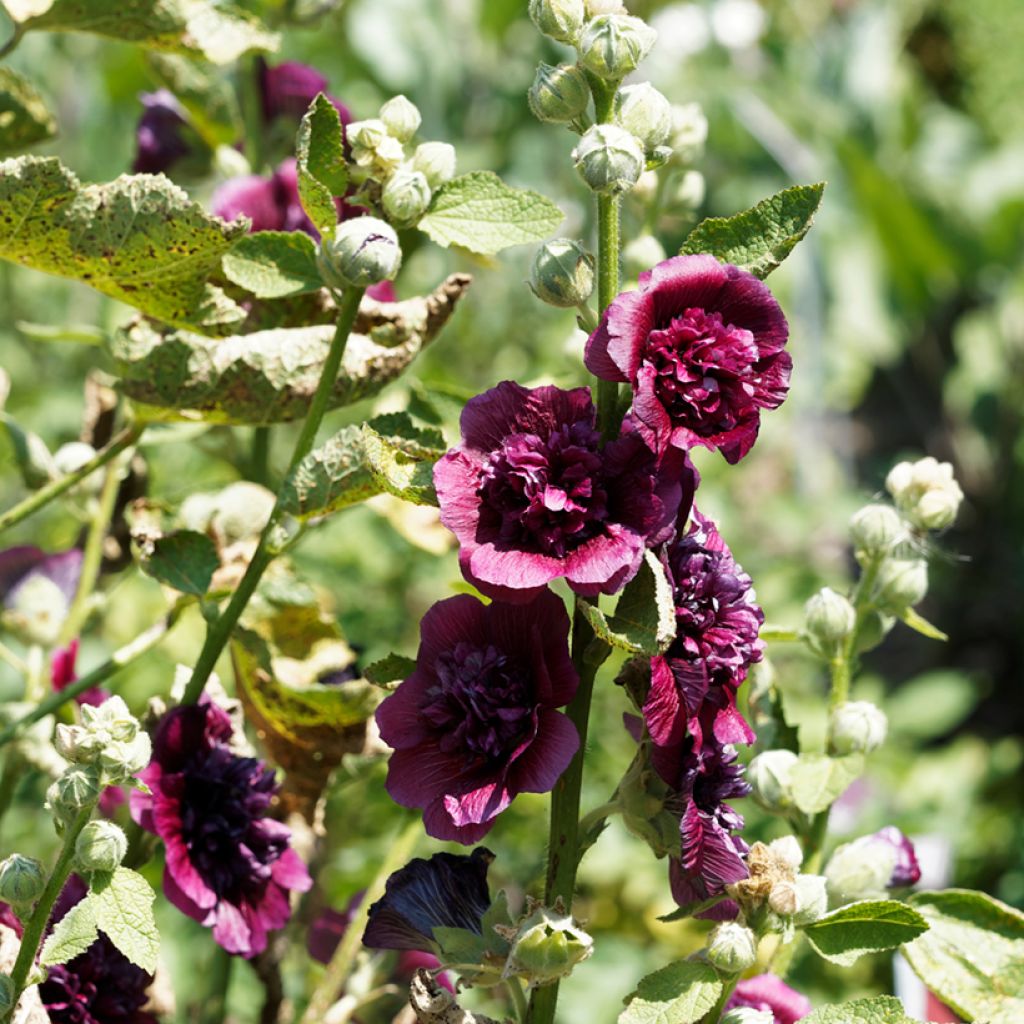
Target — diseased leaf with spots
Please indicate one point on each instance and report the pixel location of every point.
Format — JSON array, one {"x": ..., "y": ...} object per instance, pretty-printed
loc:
[
  {"x": 401, "y": 469},
  {"x": 877, "y": 1010},
  {"x": 24, "y": 116},
  {"x": 681, "y": 993},
  {"x": 272, "y": 264},
  {"x": 869, "y": 926},
  {"x": 320, "y": 160}
]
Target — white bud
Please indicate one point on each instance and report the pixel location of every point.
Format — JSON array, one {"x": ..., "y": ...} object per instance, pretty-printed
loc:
[
  {"x": 859, "y": 871},
  {"x": 788, "y": 850},
  {"x": 240, "y": 511},
  {"x": 646, "y": 187},
  {"x": 596, "y": 7},
  {"x": 732, "y": 947},
  {"x": 925, "y": 492},
  {"x": 435, "y": 161},
  {"x": 769, "y": 775},
  {"x": 689, "y": 193},
  {"x": 876, "y": 529},
  {"x": 374, "y": 148},
  {"x": 100, "y": 846},
  {"x": 748, "y": 1015},
  {"x": 405, "y": 197},
  {"x": 559, "y": 19},
  {"x": 645, "y": 113},
  {"x": 612, "y": 45},
  {"x": 857, "y": 727},
  {"x": 401, "y": 118},
  {"x": 689, "y": 132},
  {"x": 559, "y": 95},
  {"x": 902, "y": 582},
  {"x": 73, "y": 456},
  {"x": 642, "y": 253},
  {"x": 563, "y": 273},
  {"x": 363, "y": 251},
  {"x": 122, "y": 759},
  {"x": 811, "y": 899},
  {"x": 35, "y": 610},
  {"x": 608, "y": 159},
  {"x": 830, "y": 619}
]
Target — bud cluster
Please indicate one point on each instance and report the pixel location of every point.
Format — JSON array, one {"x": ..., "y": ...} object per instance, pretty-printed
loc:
[{"x": 546, "y": 945}]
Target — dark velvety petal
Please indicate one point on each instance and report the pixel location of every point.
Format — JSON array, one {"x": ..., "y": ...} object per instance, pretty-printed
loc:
[
  {"x": 422, "y": 774},
  {"x": 288, "y": 88},
  {"x": 399, "y": 716},
  {"x": 326, "y": 932},
  {"x": 664, "y": 713},
  {"x": 447, "y": 623},
  {"x": 748, "y": 302},
  {"x": 160, "y": 136},
  {"x": 490, "y": 417},
  {"x": 543, "y": 762},
  {"x": 438, "y": 824},
  {"x": 682, "y": 282},
  {"x": 627, "y": 322}
]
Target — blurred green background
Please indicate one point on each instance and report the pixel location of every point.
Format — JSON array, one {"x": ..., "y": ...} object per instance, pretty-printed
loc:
[{"x": 906, "y": 305}]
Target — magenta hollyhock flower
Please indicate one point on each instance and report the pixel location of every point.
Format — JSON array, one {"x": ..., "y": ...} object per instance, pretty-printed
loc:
[
  {"x": 476, "y": 724},
  {"x": 229, "y": 866},
  {"x": 63, "y": 674},
  {"x": 288, "y": 88},
  {"x": 770, "y": 993},
  {"x": 702, "y": 344},
  {"x": 694, "y": 683},
  {"x": 531, "y": 495},
  {"x": 160, "y": 137}
]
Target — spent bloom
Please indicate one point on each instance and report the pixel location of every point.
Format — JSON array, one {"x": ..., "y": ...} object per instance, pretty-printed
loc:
[
  {"x": 702, "y": 344},
  {"x": 769, "y": 992},
  {"x": 475, "y": 724},
  {"x": 229, "y": 865},
  {"x": 531, "y": 495},
  {"x": 868, "y": 866}
]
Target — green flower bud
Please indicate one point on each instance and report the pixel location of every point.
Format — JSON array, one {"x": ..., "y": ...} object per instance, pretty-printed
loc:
[
  {"x": 374, "y": 149},
  {"x": 902, "y": 582},
  {"x": 75, "y": 743},
  {"x": 363, "y": 251},
  {"x": 559, "y": 94},
  {"x": 120, "y": 759},
  {"x": 811, "y": 899},
  {"x": 925, "y": 492},
  {"x": 406, "y": 197},
  {"x": 876, "y": 530},
  {"x": 563, "y": 273},
  {"x": 857, "y": 727},
  {"x": 111, "y": 721},
  {"x": 645, "y": 113},
  {"x": 547, "y": 946},
  {"x": 642, "y": 253},
  {"x": 612, "y": 45},
  {"x": 75, "y": 790},
  {"x": 608, "y": 159},
  {"x": 732, "y": 947},
  {"x": 6, "y": 994},
  {"x": 100, "y": 846},
  {"x": 859, "y": 871},
  {"x": 830, "y": 619},
  {"x": 559, "y": 19},
  {"x": 21, "y": 880},
  {"x": 748, "y": 1015},
  {"x": 769, "y": 777},
  {"x": 401, "y": 118},
  {"x": 435, "y": 161}
]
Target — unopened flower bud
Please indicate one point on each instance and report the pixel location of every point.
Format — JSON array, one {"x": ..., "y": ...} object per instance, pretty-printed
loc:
[
  {"x": 608, "y": 159},
  {"x": 645, "y": 113},
  {"x": 876, "y": 530},
  {"x": 405, "y": 197},
  {"x": 612, "y": 45},
  {"x": 111, "y": 720},
  {"x": 732, "y": 947},
  {"x": 363, "y": 251},
  {"x": 769, "y": 777},
  {"x": 21, "y": 880},
  {"x": 925, "y": 492},
  {"x": 100, "y": 846},
  {"x": 75, "y": 790},
  {"x": 859, "y": 871},
  {"x": 642, "y": 253},
  {"x": 787, "y": 849},
  {"x": 782, "y": 899},
  {"x": 401, "y": 118},
  {"x": 596, "y": 7},
  {"x": 35, "y": 610},
  {"x": 857, "y": 727},
  {"x": 239, "y": 512},
  {"x": 830, "y": 619},
  {"x": 6, "y": 994},
  {"x": 748, "y": 1015},
  {"x": 547, "y": 946},
  {"x": 689, "y": 132},
  {"x": 563, "y": 273},
  {"x": 559, "y": 95},
  {"x": 75, "y": 744},
  {"x": 906, "y": 870},
  {"x": 122, "y": 759},
  {"x": 559, "y": 19},
  {"x": 72, "y": 456},
  {"x": 811, "y": 899},
  {"x": 902, "y": 582},
  {"x": 435, "y": 161},
  {"x": 646, "y": 187},
  {"x": 374, "y": 148}
]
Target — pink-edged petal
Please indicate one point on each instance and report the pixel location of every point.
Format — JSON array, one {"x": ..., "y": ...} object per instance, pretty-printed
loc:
[
  {"x": 607, "y": 561},
  {"x": 513, "y": 570},
  {"x": 627, "y": 322},
  {"x": 177, "y": 897},
  {"x": 542, "y": 763},
  {"x": 663, "y": 710},
  {"x": 438, "y": 823},
  {"x": 422, "y": 774},
  {"x": 731, "y": 727},
  {"x": 290, "y": 871},
  {"x": 457, "y": 480},
  {"x": 232, "y": 931},
  {"x": 478, "y": 805}
]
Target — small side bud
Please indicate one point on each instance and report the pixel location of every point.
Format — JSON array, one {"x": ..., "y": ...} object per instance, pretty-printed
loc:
[
  {"x": 748, "y": 1015},
  {"x": 902, "y": 582},
  {"x": 101, "y": 846},
  {"x": 74, "y": 744},
  {"x": 21, "y": 880},
  {"x": 830, "y": 619},
  {"x": 732, "y": 947},
  {"x": 613, "y": 45},
  {"x": 876, "y": 530},
  {"x": 859, "y": 871},
  {"x": 122, "y": 759},
  {"x": 925, "y": 492},
  {"x": 559, "y": 95},
  {"x": 857, "y": 727},
  {"x": 405, "y": 197},
  {"x": 787, "y": 850},
  {"x": 75, "y": 790},
  {"x": 642, "y": 253},
  {"x": 782, "y": 899},
  {"x": 547, "y": 947},
  {"x": 645, "y": 113},
  {"x": 401, "y": 118},
  {"x": 811, "y": 899},
  {"x": 559, "y": 19},
  {"x": 363, "y": 251},
  {"x": 563, "y": 273},
  {"x": 608, "y": 159},
  {"x": 769, "y": 777},
  {"x": 435, "y": 161}
]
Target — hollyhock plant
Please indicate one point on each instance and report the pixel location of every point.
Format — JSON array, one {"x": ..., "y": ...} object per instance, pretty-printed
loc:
[
  {"x": 476, "y": 724},
  {"x": 531, "y": 495},
  {"x": 160, "y": 137},
  {"x": 770, "y": 993},
  {"x": 229, "y": 865},
  {"x": 702, "y": 344}
]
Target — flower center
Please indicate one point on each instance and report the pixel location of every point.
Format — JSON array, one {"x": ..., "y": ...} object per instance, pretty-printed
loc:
[
  {"x": 545, "y": 495},
  {"x": 481, "y": 704}
]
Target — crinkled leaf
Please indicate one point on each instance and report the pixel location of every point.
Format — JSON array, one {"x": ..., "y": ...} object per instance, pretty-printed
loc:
[
  {"x": 185, "y": 560},
  {"x": 680, "y": 993},
  {"x": 406, "y": 473},
  {"x": 760, "y": 238},
  {"x": 869, "y": 926},
  {"x": 210, "y": 101},
  {"x": 818, "y": 780},
  {"x": 124, "y": 913},
  {"x": 73, "y": 934},
  {"x": 320, "y": 158},
  {"x": 479, "y": 212},
  {"x": 972, "y": 956},
  {"x": 24, "y": 116},
  {"x": 139, "y": 239},
  {"x": 272, "y": 264},
  {"x": 31, "y": 455},
  {"x": 877, "y": 1010},
  {"x": 767, "y": 714},
  {"x": 644, "y": 620},
  {"x": 390, "y": 670}
]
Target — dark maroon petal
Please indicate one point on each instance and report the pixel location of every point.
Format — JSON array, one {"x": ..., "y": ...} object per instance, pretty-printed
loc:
[
  {"x": 447, "y": 623},
  {"x": 613, "y": 350},
  {"x": 748, "y": 302},
  {"x": 160, "y": 137},
  {"x": 547, "y": 757},
  {"x": 664, "y": 713},
  {"x": 398, "y": 716},
  {"x": 422, "y": 774}
]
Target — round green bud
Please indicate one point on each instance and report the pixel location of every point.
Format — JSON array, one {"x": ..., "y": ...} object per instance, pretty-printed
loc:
[
  {"x": 645, "y": 113},
  {"x": 876, "y": 530},
  {"x": 121, "y": 759},
  {"x": 75, "y": 743},
  {"x": 563, "y": 273},
  {"x": 642, "y": 253},
  {"x": 21, "y": 880},
  {"x": 608, "y": 159},
  {"x": 925, "y": 492},
  {"x": 75, "y": 790},
  {"x": 613, "y": 45},
  {"x": 857, "y": 727},
  {"x": 902, "y": 582},
  {"x": 401, "y": 118},
  {"x": 689, "y": 132},
  {"x": 748, "y": 1015},
  {"x": 547, "y": 946},
  {"x": 859, "y": 871},
  {"x": 363, "y": 251},
  {"x": 435, "y": 161},
  {"x": 830, "y": 619},
  {"x": 559, "y": 19},
  {"x": 374, "y": 149},
  {"x": 405, "y": 197},
  {"x": 811, "y": 899},
  {"x": 6, "y": 994},
  {"x": 100, "y": 846},
  {"x": 769, "y": 775},
  {"x": 732, "y": 947},
  {"x": 559, "y": 94}
]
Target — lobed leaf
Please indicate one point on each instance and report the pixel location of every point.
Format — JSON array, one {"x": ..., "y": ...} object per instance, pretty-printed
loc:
[
  {"x": 124, "y": 913},
  {"x": 818, "y": 780},
  {"x": 869, "y": 926},
  {"x": 24, "y": 116},
  {"x": 72, "y": 935},
  {"x": 681, "y": 993},
  {"x": 877, "y": 1010},
  {"x": 273, "y": 264},
  {"x": 320, "y": 160},
  {"x": 185, "y": 560},
  {"x": 390, "y": 670}
]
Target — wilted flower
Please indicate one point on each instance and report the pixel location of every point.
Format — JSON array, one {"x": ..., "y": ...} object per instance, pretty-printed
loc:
[
  {"x": 229, "y": 866},
  {"x": 769, "y": 992},
  {"x": 160, "y": 137},
  {"x": 287, "y": 89},
  {"x": 868, "y": 866},
  {"x": 36, "y": 590},
  {"x": 531, "y": 495},
  {"x": 702, "y": 344},
  {"x": 476, "y": 724}
]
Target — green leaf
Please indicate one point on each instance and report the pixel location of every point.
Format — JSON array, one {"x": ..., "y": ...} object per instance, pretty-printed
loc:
[
  {"x": 819, "y": 780},
  {"x": 271, "y": 264},
  {"x": 972, "y": 956},
  {"x": 869, "y": 926},
  {"x": 185, "y": 560},
  {"x": 209, "y": 100},
  {"x": 644, "y": 620},
  {"x": 31, "y": 455},
  {"x": 760, "y": 238},
  {"x": 877, "y": 1010},
  {"x": 767, "y": 714},
  {"x": 479, "y": 212},
  {"x": 390, "y": 671},
  {"x": 919, "y": 624},
  {"x": 680, "y": 993},
  {"x": 218, "y": 31},
  {"x": 139, "y": 239},
  {"x": 320, "y": 158},
  {"x": 406, "y": 474},
  {"x": 24, "y": 116},
  {"x": 496, "y": 914},
  {"x": 73, "y": 934},
  {"x": 932, "y": 704},
  {"x": 124, "y": 913},
  {"x": 459, "y": 946}
]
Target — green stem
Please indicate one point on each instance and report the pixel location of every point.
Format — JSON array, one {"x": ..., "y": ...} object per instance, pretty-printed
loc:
[
  {"x": 598, "y": 814},
  {"x": 340, "y": 967},
  {"x": 715, "y": 1013},
  {"x": 515, "y": 990},
  {"x": 46, "y": 494},
  {"x": 219, "y": 631},
  {"x": 251, "y": 97},
  {"x": 259, "y": 471},
  {"x": 608, "y": 244},
  {"x": 12, "y": 43}
]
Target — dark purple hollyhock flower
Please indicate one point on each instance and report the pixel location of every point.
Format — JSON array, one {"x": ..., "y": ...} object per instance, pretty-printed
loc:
[
  {"x": 288, "y": 88},
  {"x": 229, "y": 866},
  {"x": 36, "y": 590},
  {"x": 531, "y": 495},
  {"x": 447, "y": 891},
  {"x": 701, "y": 342},
  {"x": 159, "y": 137},
  {"x": 694, "y": 683},
  {"x": 769, "y": 992},
  {"x": 475, "y": 724},
  {"x": 906, "y": 870}
]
